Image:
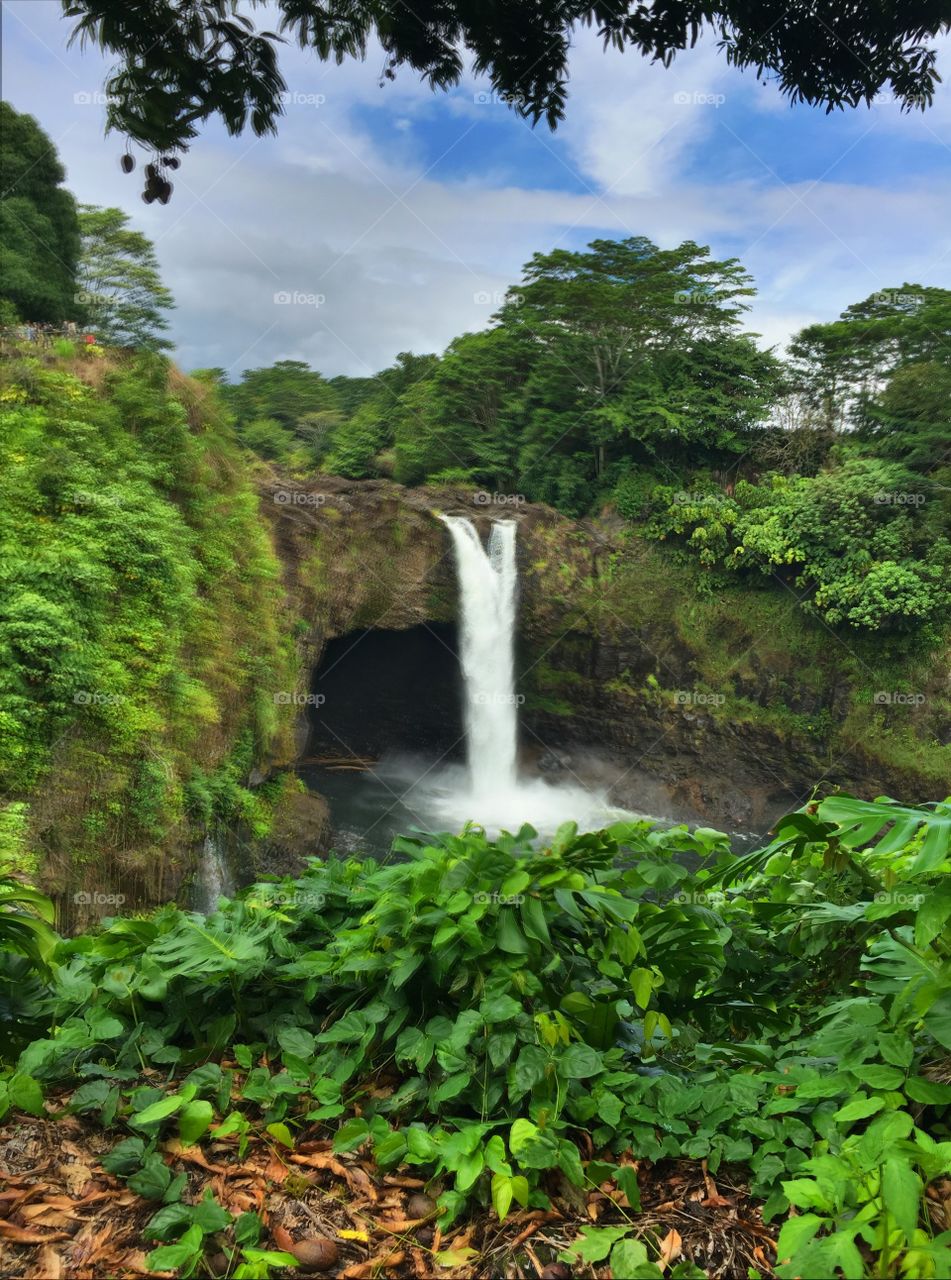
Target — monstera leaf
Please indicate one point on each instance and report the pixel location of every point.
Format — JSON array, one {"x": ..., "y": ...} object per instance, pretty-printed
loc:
[
  {"x": 860, "y": 824},
  {"x": 25, "y": 919},
  {"x": 879, "y": 828},
  {"x": 192, "y": 949}
]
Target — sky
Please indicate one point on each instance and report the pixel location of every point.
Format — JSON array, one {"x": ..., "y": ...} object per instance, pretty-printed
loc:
[{"x": 388, "y": 219}]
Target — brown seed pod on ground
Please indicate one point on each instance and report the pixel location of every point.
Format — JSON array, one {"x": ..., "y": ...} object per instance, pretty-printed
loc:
[
  {"x": 420, "y": 1206},
  {"x": 316, "y": 1253}
]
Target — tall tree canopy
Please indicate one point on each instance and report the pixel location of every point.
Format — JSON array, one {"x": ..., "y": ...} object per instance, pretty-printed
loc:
[
  {"x": 623, "y": 354},
  {"x": 182, "y": 61},
  {"x": 287, "y": 412},
  {"x": 882, "y": 369},
  {"x": 119, "y": 283},
  {"x": 39, "y": 227}
]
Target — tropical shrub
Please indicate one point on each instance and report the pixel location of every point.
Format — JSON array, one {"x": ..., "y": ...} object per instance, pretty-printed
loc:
[
  {"x": 857, "y": 541},
  {"x": 497, "y": 1013}
]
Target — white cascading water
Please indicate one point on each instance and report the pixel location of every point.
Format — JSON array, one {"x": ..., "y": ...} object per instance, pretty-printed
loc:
[
  {"x": 214, "y": 878},
  {"x": 487, "y": 581},
  {"x": 496, "y": 796}
]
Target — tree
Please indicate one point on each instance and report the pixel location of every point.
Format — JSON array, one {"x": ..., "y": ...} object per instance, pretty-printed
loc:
[
  {"x": 286, "y": 412},
  {"x": 858, "y": 540},
  {"x": 39, "y": 228},
  {"x": 855, "y": 372},
  {"x": 287, "y": 391},
  {"x": 119, "y": 284},
  {"x": 633, "y": 349},
  {"x": 467, "y": 412},
  {"x": 911, "y": 420},
  {"x": 209, "y": 59},
  {"x": 357, "y": 442},
  {"x": 362, "y": 442}
]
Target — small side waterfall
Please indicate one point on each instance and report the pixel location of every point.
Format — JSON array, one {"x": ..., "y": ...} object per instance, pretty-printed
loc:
[
  {"x": 214, "y": 879},
  {"x": 487, "y": 581}
]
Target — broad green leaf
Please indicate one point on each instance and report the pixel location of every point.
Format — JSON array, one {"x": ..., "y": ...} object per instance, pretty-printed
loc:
[
  {"x": 351, "y": 1135},
  {"x": 578, "y": 1062},
  {"x": 795, "y": 1233},
  {"x": 874, "y": 1076},
  {"x": 626, "y": 1178},
  {"x": 642, "y": 984},
  {"x": 901, "y": 1193},
  {"x": 390, "y": 1150},
  {"x": 153, "y": 1179},
  {"x": 860, "y": 1109},
  {"x": 502, "y": 1195},
  {"x": 280, "y": 1133},
  {"x": 530, "y": 1067},
  {"x": 595, "y": 1243},
  {"x": 468, "y": 1170},
  {"x": 26, "y": 1094},
  {"x": 500, "y": 1009},
  {"x": 194, "y": 1118},
  {"x": 209, "y": 1214},
  {"x": 508, "y": 935},
  {"x": 534, "y": 921},
  {"x": 629, "y": 1261},
  {"x": 158, "y": 1111},
  {"x": 171, "y": 1257}
]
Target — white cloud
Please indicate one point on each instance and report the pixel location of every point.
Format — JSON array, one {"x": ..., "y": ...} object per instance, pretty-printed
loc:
[{"x": 331, "y": 207}]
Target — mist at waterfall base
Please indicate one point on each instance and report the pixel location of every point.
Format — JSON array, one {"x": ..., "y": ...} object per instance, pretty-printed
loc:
[{"x": 405, "y": 791}]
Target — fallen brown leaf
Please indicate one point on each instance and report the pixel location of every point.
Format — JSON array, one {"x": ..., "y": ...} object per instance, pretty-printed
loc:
[
  {"x": 19, "y": 1235},
  {"x": 669, "y": 1248},
  {"x": 76, "y": 1176},
  {"x": 51, "y": 1264}
]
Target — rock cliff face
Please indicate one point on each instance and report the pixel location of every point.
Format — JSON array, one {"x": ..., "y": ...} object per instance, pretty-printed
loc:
[{"x": 724, "y": 705}]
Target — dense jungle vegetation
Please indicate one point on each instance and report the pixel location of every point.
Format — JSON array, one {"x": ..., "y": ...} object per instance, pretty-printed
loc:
[
  {"x": 621, "y": 376},
  {"x": 633, "y": 1052},
  {"x": 529, "y": 1031}
]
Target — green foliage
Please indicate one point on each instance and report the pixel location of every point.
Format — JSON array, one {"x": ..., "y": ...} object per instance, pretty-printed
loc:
[
  {"x": 118, "y": 282},
  {"x": 911, "y": 419},
  {"x": 857, "y": 540},
  {"x": 39, "y": 229},
  {"x": 842, "y": 368},
  {"x": 15, "y": 854},
  {"x": 623, "y": 354},
  {"x": 783, "y": 1010},
  {"x": 26, "y": 917},
  {"x": 139, "y": 595},
  {"x": 286, "y": 413},
  {"x": 356, "y": 443},
  {"x": 390, "y": 412}
]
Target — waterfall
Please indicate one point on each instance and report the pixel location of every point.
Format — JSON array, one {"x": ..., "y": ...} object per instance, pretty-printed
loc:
[
  {"x": 487, "y": 580},
  {"x": 214, "y": 879}
]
